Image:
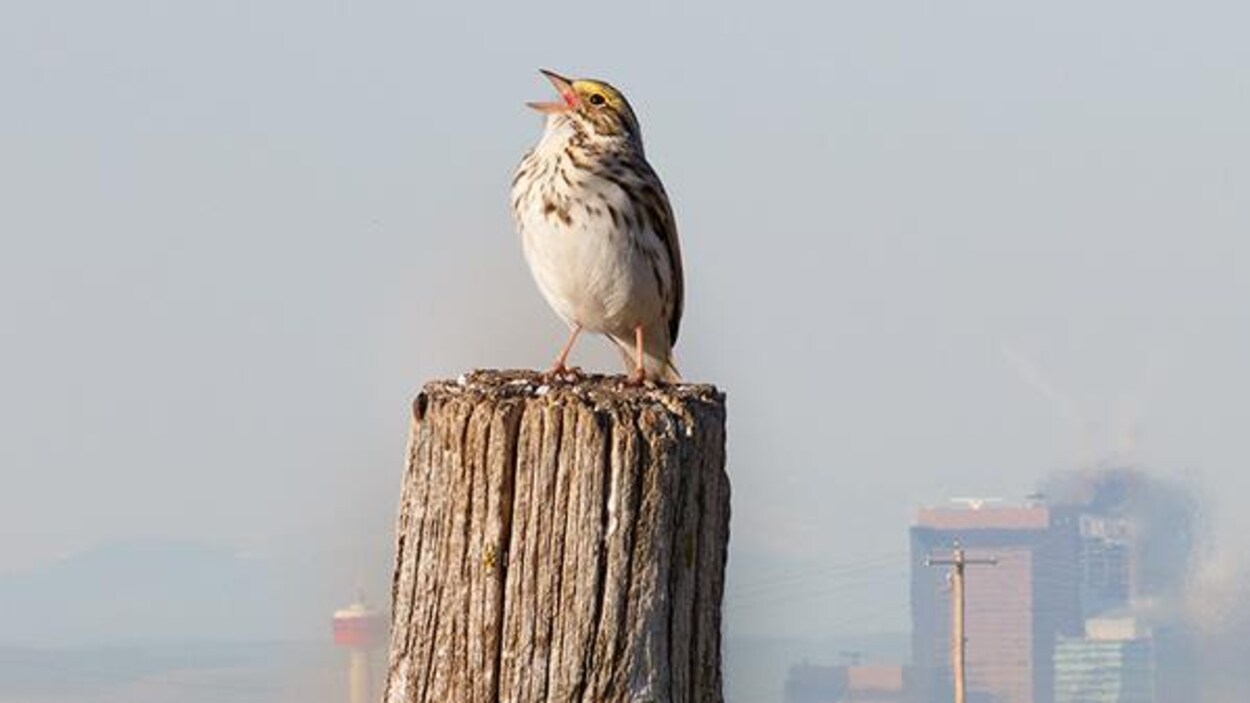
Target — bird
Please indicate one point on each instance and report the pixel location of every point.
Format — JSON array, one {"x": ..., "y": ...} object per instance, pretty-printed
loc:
[{"x": 597, "y": 229}]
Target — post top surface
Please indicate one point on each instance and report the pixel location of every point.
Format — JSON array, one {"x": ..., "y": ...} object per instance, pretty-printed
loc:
[{"x": 593, "y": 388}]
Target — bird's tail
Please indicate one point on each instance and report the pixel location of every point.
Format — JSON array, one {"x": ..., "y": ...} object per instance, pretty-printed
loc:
[{"x": 657, "y": 354}]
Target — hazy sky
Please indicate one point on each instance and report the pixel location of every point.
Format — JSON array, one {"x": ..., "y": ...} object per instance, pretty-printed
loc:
[{"x": 926, "y": 246}]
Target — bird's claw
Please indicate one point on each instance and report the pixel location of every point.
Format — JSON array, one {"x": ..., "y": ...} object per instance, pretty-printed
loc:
[{"x": 563, "y": 374}]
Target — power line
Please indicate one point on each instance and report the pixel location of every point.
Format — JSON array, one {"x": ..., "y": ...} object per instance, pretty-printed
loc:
[{"x": 802, "y": 577}]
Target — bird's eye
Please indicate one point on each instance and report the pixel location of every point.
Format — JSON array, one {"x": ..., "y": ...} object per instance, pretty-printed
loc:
[{"x": 597, "y": 99}]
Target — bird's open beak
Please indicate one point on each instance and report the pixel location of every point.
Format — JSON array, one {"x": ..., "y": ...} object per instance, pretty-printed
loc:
[{"x": 568, "y": 97}]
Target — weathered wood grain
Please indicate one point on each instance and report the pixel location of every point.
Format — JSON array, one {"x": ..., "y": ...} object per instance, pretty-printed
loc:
[{"x": 560, "y": 542}]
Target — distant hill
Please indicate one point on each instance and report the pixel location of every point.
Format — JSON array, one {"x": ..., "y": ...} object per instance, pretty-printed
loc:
[
  {"x": 182, "y": 672},
  {"x": 158, "y": 591}
]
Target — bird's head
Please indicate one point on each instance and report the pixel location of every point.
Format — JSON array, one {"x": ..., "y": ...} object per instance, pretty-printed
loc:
[{"x": 593, "y": 105}]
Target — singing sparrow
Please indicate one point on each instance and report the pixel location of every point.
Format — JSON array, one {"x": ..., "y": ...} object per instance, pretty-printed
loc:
[{"x": 597, "y": 228}]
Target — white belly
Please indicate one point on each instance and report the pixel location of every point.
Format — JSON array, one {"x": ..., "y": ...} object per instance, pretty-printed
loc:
[{"x": 590, "y": 271}]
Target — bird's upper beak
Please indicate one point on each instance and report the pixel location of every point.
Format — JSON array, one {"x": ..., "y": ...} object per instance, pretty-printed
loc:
[{"x": 568, "y": 96}]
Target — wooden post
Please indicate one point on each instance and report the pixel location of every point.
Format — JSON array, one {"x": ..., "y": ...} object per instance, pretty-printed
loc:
[{"x": 561, "y": 542}]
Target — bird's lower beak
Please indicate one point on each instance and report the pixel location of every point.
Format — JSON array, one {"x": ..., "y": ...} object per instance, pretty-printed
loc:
[{"x": 568, "y": 97}]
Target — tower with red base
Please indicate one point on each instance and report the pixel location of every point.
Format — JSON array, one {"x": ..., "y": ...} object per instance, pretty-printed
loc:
[{"x": 360, "y": 630}]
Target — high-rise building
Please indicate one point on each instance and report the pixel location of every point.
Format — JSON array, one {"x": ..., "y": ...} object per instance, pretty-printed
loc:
[
  {"x": 1106, "y": 573},
  {"x": 1137, "y": 534},
  {"x": 1112, "y": 663},
  {"x": 1015, "y": 609}
]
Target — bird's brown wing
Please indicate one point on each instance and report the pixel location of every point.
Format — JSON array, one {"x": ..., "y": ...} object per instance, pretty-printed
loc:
[{"x": 660, "y": 212}]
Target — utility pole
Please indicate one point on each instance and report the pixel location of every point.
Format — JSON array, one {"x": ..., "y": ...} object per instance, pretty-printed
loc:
[{"x": 957, "y": 561}]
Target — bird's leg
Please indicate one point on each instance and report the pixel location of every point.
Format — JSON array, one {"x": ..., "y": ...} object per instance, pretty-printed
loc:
[
  {"x": 640, "y": 374},
  {"x": 559, "y": 366}
]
